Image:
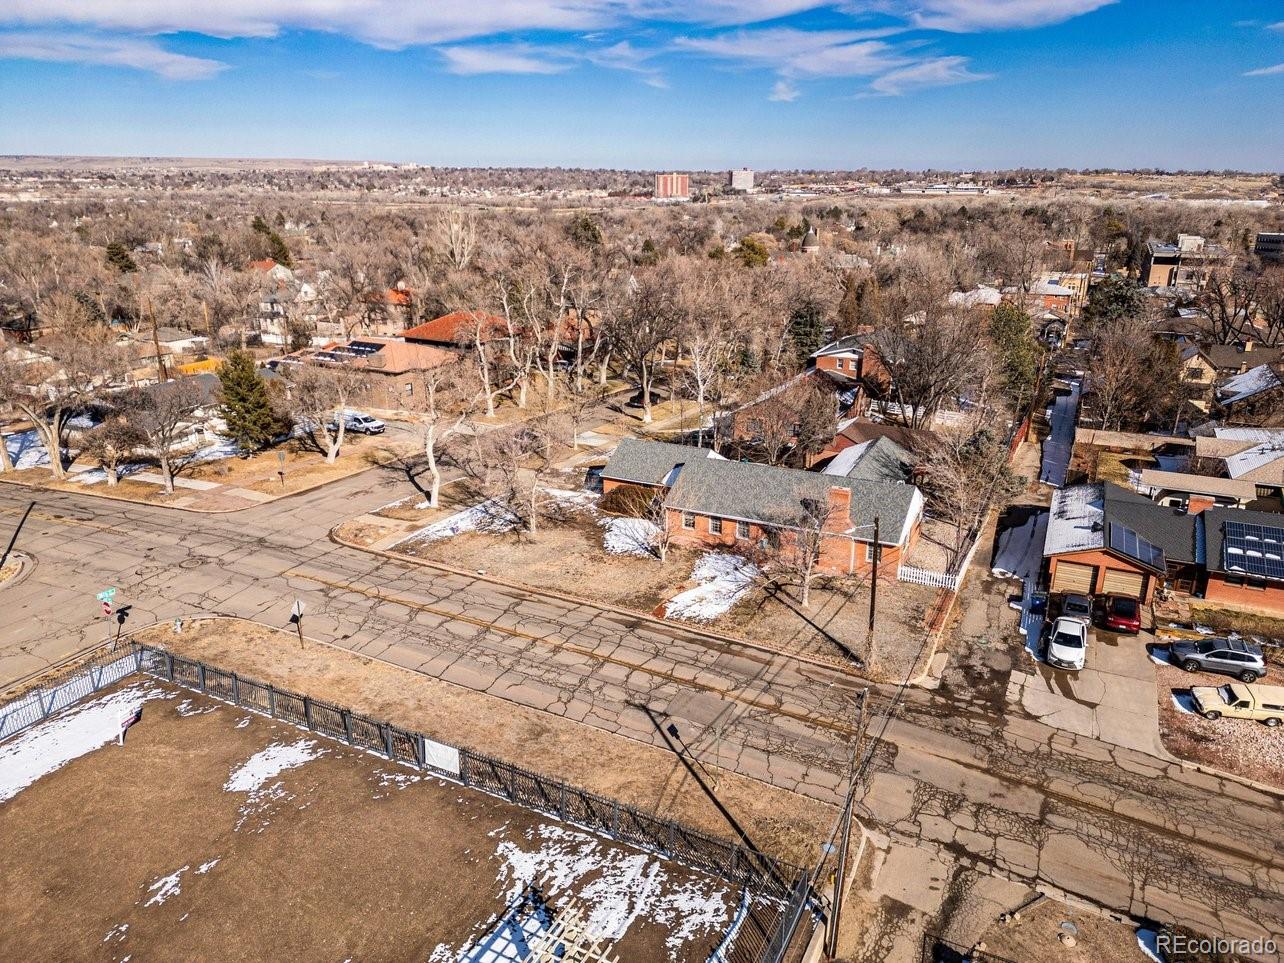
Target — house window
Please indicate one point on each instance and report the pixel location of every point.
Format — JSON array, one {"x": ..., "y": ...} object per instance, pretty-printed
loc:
[
  {"x": 840, "y": 364},
  {"x": 742, "y": 529},
  {"x": 715, "y": 526},
  {"x": 869, "y": 552},
  {"x": 688, "y": 520},
  {"x": 410, "y": 388}
]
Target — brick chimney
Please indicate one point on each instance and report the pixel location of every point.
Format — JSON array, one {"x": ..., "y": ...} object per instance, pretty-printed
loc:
[{"x": 840, "y": 504}]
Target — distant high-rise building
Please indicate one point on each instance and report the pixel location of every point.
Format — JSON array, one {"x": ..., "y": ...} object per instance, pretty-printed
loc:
[
  {"x": 672, "y": 185},
  {"x": 741, "y": 180}
]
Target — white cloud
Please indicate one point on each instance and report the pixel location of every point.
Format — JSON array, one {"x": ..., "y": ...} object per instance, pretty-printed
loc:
[
  {"x": 967, "y": 16},
  {"x": 936, "y": 72},
  {"x": 140, "y": 54},
  {"x": 1275, "y": 26},
  {"x": 1265, "y": 71},
  {"x": 816, "y": 53},
  {"x": 783, "y": 91},
  {"x": 502, "y": 59}
]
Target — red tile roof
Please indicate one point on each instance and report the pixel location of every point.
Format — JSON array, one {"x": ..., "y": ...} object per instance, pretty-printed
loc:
[
  {"x": 452, "y": 328},
  {"x": 266, "y": 264}
]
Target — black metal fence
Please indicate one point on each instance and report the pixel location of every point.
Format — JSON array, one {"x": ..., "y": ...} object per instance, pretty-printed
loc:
[{"x": 782, "y": 906}]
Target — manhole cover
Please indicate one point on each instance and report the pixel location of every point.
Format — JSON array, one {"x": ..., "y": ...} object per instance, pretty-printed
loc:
[{"x": 194, "y": 562}]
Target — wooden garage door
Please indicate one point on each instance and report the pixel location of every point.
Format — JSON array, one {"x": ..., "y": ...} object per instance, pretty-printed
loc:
[
  {"x": 1074, "y": 577},
  {"x": 1123, "y": 583}
]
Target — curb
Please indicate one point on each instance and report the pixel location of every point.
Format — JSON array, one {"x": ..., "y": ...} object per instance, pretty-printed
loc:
[
  {"x": 604, "y": 606},
  {"x": 4, "y": 478}
]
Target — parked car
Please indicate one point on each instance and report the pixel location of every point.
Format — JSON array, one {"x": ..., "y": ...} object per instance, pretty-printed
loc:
[
  {"x": 359, "y": 423},
  {"x": 1121, "y": 613},
  {"x": 1066, "y": 646},
  {"x": 1243, "y": 660},
  {"x": 1077, "y": 607},
  {"x": 1264, "y": 703}
]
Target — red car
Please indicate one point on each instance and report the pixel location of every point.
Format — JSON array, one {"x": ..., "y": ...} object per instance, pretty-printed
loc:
[{"x": 1121, "y": 614}]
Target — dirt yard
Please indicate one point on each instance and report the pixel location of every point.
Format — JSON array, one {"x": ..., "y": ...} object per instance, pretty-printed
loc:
[
  {"x": 216, "y": 833},
  {"x": 567, "y": 555},
  {"x": 785, "y": 824},
  {"x": 1036, "y": 936},
  {"x": 1241, "y": 746}
]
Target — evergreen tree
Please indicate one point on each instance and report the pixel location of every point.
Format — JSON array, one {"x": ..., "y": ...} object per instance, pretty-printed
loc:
[
  {"x": 277, "y": 249},
  {"x": 118, "y": 257},
  {"x": 246, "y": 406},
  {"x": 1010, "y": 330},
  {"x": 753, "y": 253},
  {"x": 807, "y": 329},
  {"x": 1114, "y": 299},
  {"x": 584, "y": 232}
]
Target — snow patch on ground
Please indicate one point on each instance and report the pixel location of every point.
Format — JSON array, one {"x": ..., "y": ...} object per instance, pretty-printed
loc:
[
  {"x": 165, "y": 887},
  {"x": 1148, "y": 943},
  {"x": 488, "y": 516},
  {"x": 617, "y": 887},
  {"x": 724, "y": 579},
  {"x": 628, "y": 536},
  {"x": 571, "y": 500},
  {"x": 187, "y": 708},
  {"x": 254, "y": 773},
  {"x": 204, "y": 868},
  {"x": 1158, "y": 656},
  {"x": 26, "y": 450},
  {"x": 1185, "y": 702},
  {"x": 55, "y": 742}
]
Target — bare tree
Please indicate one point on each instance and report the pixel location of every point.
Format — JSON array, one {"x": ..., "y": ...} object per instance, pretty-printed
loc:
[
  {"x": 457, "y": 235},
  {"x": 72, "y": 368},
  {"x": 319, "y": 398},
  {"x": 967, "y": 468},
  {"x": 643, "y": 330},
  {"x": 112, "y": 442},
  {"x": 796, "y": 545},
  {"x": 929, "y": 362},
  {"x": 1227, "y": 303},
  {"x": 163, "y": 415},
  {"x": 443, "y": 400}
]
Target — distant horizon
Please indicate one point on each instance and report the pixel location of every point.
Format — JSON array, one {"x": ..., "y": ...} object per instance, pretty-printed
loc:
[
  {"x": 775, "y": 84},
  {"x": 358, "y": 162}
]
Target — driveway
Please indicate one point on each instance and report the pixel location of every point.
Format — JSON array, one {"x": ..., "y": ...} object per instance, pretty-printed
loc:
[
  {"x": 1060, "y": 441},
  {"x": 1112, "y": 699}
]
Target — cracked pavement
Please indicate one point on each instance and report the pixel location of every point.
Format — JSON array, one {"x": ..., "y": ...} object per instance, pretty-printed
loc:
[{"x": 973, "y": 779}]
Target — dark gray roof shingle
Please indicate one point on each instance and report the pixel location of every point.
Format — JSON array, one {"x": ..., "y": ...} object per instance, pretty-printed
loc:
[
  {"x": 649, "y": 462},
  {"x": 1169, "y": 529}
]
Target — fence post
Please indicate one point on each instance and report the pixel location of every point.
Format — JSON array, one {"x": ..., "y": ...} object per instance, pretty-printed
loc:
[
  {"x": 346, "y": 715},
  {"x": 40, "y": 700},
  {"x": 615, "y": 819},
  {"x": 387, "y": 740},
  {"x": 307, "y": 712},
  {"x": 561, "y": 802},
  {"x": 169, "y": 660},
  {"x": 464, "y": 761},
  {"x": 670, "y": 849},
  {"x": 272, "y": 701},
  {"x": 236, "y": 690},
  {"x": 200, "y": 669},
  {"x": 421, "y": 751}
]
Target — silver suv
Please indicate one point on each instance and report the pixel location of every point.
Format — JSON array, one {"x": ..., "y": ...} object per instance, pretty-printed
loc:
[{"x": 1235, "y": 657}]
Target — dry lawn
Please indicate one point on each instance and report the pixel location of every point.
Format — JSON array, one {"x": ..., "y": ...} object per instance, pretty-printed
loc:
[
  {"x": 1035, "y": 937},
  {"x": 346, "y": 856},
  {"x": 1240, "y": 746},
  {"x": 785, "y": 824}
]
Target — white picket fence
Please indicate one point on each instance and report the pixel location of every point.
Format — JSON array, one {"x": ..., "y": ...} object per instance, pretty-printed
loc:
[{"x": 946, "y": 580}]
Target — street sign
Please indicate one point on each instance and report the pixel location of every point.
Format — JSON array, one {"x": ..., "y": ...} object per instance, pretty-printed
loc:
[
  {"x": 296, "y": 611},
  {"x": 106, "y": 608},
  {"x": 106, "y": 595}
]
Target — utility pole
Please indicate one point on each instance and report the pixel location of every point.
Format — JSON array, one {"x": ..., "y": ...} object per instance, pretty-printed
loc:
[
  {"x": 161, "y": 370},
  {"x": 873, "y": 582}
]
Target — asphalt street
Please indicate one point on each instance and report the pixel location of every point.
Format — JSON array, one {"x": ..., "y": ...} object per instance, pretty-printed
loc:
[{"x": 963, "y": 775}]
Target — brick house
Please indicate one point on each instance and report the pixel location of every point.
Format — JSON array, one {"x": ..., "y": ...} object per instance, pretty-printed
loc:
[
  {"x": 712, "y": 502},
  {"x": 1106, "y": 540},
  {"x": 1244, "y": 553},
  {"x": 389, "y": 364}
]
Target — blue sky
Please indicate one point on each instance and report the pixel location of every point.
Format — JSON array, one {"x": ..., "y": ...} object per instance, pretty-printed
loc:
[{"x": 652, "y": 83}]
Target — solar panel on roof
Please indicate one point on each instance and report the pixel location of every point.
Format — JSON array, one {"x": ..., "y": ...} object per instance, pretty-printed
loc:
[
  {"x": 1125, "y": 540},
  {"x": 1254, "y": 549}
]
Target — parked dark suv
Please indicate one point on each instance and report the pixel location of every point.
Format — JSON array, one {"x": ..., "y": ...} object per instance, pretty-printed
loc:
[{"x": 1235, "y": 657}]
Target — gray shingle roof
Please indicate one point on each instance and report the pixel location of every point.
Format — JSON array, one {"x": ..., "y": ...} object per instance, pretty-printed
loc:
[
  {"x": 1166, "y": 528},
  {"x": 879, "y": 460},
  {"x": 1213, "y": 520},
  {"x": 775, "y": 496},
  {"x": 649, "y": 462}
]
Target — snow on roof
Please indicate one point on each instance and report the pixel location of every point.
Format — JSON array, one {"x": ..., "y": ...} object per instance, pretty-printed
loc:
[
  {"x": 979, "y": 295},
  {"x": 1251, "y": 382},
  {"x": 846, "y": 459},
  {"x": 1237, "y": 433},
  {"x": 1052, "y": 288},
  {"x": 1254, "y": 458},
  {"x": 1075, "y": 523}
]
